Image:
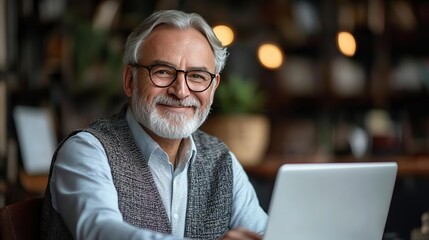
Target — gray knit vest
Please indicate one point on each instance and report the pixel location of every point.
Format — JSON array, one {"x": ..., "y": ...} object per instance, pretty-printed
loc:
[{"x": 209, "y": 185}]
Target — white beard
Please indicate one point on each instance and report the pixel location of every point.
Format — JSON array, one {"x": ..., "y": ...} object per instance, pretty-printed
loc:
[{"x": 168, "y": 124}]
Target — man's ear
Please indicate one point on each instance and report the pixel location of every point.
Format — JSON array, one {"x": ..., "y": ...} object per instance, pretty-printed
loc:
[
  {"x": 127, "y": 79},
  {"x": 217, "y": 81}
]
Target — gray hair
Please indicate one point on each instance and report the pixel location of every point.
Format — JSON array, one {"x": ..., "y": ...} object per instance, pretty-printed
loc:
[{"x": 177, "y": 19}]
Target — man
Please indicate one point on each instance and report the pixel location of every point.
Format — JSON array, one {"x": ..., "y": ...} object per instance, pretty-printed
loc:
[{"x": 147, "y": 172}]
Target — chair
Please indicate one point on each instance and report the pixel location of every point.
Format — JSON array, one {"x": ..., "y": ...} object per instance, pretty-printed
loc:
[{"x": 21, "y": 220}]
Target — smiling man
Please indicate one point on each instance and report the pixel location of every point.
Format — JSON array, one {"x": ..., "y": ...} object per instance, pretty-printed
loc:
[{"x": 148, "y": 172}]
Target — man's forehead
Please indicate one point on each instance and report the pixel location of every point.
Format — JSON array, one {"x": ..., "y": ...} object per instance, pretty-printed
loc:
[{"x": 167, "y": 38}]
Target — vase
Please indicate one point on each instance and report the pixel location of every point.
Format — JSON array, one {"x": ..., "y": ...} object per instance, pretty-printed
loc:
[{"x": 247, "y": 136}]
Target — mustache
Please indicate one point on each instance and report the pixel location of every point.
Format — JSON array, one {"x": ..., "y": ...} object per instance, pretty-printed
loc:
[{"x": 166, "y": 100}]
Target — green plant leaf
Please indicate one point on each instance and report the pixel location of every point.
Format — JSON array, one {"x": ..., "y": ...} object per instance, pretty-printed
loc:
[{"x": 239, "y": 95}]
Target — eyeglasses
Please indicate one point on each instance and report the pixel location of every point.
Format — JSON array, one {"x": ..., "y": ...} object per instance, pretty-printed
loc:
[{"x": 163, "y": 76}]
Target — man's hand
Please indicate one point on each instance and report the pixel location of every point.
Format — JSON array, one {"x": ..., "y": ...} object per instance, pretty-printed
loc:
[{"x": 241, "y": 234}]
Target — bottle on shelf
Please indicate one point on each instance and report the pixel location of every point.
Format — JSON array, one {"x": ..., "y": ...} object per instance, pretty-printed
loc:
[{"x": 422, "y": 233}]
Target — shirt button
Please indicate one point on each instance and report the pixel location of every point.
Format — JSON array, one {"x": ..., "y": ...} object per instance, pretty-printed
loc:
[{"x": 176, "y": 216}]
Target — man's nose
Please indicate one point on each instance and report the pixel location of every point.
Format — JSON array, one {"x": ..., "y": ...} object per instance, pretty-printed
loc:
[{"x": 179, "y": 88}]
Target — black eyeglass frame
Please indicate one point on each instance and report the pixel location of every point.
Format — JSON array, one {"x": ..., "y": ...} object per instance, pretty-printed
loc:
[{"x": 177, "y": 71}]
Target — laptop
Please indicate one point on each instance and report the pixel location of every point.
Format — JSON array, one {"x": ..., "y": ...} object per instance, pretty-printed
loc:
[
  {"x": 331, "y": 201},
  {"x": 36, "y": 138}
]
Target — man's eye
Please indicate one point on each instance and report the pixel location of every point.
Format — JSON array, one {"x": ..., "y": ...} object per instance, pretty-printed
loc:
[
  {"x": 198, "y": 76},
  {"x": 163, "y": 72}
]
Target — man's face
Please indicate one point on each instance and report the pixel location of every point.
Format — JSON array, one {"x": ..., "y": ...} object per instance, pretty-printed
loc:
[{"x": 173, "y": 112}]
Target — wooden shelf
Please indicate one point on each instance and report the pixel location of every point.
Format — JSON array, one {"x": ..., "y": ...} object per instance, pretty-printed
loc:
[
  {"x": 407, "y": 165},
  {"x": 33, "y": 183}
]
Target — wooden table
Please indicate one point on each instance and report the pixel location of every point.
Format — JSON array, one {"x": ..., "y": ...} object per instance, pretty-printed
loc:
[{"x": 407, "y": 165}]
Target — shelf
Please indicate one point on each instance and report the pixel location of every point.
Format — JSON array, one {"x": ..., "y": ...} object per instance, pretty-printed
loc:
[{"x": 407, "y": 166}]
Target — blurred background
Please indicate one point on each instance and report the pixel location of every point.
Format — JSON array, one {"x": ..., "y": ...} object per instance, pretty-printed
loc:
[{"x": 324, "y": 81}]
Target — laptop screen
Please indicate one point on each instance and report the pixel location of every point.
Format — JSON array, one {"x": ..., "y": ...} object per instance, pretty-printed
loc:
[{"x": 332, "y": 201}]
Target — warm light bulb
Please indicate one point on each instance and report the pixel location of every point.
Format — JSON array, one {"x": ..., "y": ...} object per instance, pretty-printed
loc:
[
  {"x": 346, "y": 43},
  {"x": 270, "y": 55},
  {"x": 224, "y": 34}
]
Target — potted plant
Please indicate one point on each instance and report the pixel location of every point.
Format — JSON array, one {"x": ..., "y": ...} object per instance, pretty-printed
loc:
[{"x": 238, "y": 119}]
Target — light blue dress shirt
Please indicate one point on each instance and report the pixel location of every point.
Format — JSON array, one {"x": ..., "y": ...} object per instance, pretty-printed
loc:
[{"x": 84, "y": 195}]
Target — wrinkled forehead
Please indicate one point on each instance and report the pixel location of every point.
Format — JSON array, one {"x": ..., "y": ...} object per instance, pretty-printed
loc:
[
  {"x": 170, "y": 40},
  {"x": 173, "y": 27}
]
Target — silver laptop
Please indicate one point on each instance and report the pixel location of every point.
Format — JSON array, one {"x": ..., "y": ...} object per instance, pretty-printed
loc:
[{"x": 331, "y": 201}]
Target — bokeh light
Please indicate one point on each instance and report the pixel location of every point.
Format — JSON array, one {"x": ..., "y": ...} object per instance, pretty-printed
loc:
[
  {"x": 270, "y": 55},
  {"x": 346, "y": 43},
  {"x": 225, "y": 34}
]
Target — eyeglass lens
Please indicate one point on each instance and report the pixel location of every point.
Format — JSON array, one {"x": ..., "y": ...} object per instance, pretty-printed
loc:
[{"x": 163, "y": 76}]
